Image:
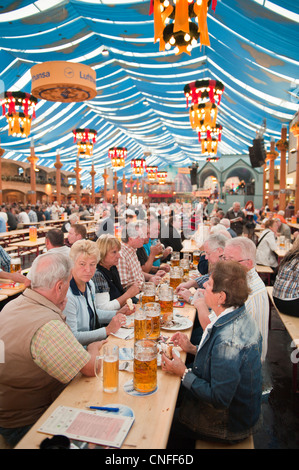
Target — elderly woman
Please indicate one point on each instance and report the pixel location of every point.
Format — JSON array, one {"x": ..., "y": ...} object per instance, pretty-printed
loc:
[
  {"x": 222, "y": 390},
  {"x": 83, "y": 317},
  {"x": 110, "y": 294}
]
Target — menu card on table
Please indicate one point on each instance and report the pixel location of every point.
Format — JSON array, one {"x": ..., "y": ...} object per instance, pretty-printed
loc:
[{"x": 98, "y": 427}]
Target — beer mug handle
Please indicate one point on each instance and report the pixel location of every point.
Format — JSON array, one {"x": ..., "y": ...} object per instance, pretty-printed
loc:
[
  {"x": 152, "y": 329},
  {"x": 98, "y": 366}
]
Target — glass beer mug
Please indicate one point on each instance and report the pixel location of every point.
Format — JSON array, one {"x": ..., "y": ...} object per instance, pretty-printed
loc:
[
  {"x": 166, "y": 302},
  {"x": 15, "y": 265},
  {"x": 32, "y": 233},
  {"x": 148, "y": 293},
  {"x": 176, "y": 275},
  {"x": 152, "y": 312},
  {"x": 145, "y": 366},
  {"x": 196, "y": 256},
  {"x": 185, "y": 265},
  {"x": 110, "y": 360},
  {"x": 175, "y": 258}
]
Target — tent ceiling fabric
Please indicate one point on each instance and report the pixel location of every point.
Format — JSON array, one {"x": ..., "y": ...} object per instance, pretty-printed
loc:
[{"x": 140, "y": 103}]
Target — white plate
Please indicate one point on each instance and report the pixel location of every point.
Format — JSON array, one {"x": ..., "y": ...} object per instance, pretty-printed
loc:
[{"x": 181, "y": 323}]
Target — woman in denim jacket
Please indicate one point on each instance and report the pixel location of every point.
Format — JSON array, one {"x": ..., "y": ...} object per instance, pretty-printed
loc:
[{"x": 221, "y": 392}]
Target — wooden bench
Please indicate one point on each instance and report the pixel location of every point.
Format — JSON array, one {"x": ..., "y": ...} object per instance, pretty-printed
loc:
[
  {"x": 291, "y": 324},
  {"x": 264, "y": 271},
  {"x": 245, "y": 444}
]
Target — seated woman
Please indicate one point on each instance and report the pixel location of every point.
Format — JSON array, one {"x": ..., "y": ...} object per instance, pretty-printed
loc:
[
  {"x": 83, "y": 317},
  {"x": 110, "y": 294},
  {"x": 266, "y": 246},
  {"x": 222, "y": 391},
  {"x": 286, "y": 286}
]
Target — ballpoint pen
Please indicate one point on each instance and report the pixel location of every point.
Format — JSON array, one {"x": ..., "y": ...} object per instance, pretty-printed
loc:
[{"x": 103, "y": 408}]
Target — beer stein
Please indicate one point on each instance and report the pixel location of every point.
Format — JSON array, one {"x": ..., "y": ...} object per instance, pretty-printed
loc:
[
  {"x": 175, "y": 258},
  {"x": 32, "y": 233},
  {"x": 185, "y": 265},
  {"x": 145, "y": 366},
  {"x": 15, "y": 265},
  {"x": 148, "y": 293},
  {"x": 152, "y": 312},
  {"x": 110, "y": 359},
  {"x": 166, "y": 302},
  {"x": 196, "y": 256},
  {"x": 176, "y": 275},
  {"x": 157, "y": 242},
  {"x": 139, "y": 325},
  {"x": 282, "y": 242}
]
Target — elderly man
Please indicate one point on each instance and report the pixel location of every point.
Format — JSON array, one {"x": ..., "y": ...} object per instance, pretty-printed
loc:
[
  {"x": 105, "y": 224},
  {"x": 129, "y": 267},
  {"x": 283, "y": 229},
  {"x": 73, "y": 219},
  {"x": 41, "y": 353},
  {"x": 243, "y": 250},
  {"x": 213, "y": 250},
  {"x": 237, "y": 218}
]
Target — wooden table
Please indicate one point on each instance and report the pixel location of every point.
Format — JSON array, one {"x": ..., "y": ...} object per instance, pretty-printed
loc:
[
  {"x": 153, "y": 413},
  {"x": 10, "y": 291}
]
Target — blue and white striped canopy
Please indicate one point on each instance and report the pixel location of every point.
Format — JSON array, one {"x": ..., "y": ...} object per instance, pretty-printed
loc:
[{"x": 140, "y": 102}]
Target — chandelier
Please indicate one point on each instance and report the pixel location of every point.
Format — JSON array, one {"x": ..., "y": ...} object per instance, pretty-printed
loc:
[
  {"x": 20, "y": 108},
  {"x": 138, "y": 166},
  {"x": 212, "y": 159},
  {"x": 85, "y": 139},
  {"x": 200, "y": 90},
  {"x": 180, "y": 23},
  {"x": 151, "y": 172},
  {"x": 161, "y": 175},
  {"x": 117, "y": 156}
]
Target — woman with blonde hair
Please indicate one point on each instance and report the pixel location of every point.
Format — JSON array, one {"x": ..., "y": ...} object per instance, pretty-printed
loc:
[
  {"x": 87, "y": 322},
  {"x": 286, "y": 286},
  {"x": 110, "y": 294}
]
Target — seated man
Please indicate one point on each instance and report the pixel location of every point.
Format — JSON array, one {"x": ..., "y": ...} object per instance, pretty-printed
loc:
[
  {"x": 55, "y": 241},
  {"x": 151, "y": 248},
  {"x": 41, "y": 353},
  {"x": 213, "y": 248},
  {"x": 129, "y": 267},
  {"x": 105, "y": 224},
  {"x": 76, "y": 232}
]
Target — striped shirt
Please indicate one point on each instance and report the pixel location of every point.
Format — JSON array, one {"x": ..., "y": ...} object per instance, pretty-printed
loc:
[
  {"x": 286, "y": 286},
  {"x": 129, "y": 267},
  {"x": 4, "y": 260},
  {"x": 55, "y": 349}
]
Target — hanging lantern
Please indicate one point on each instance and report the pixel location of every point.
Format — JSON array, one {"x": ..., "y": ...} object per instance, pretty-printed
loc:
[
  {"x": 151, "y": 172},
  {"x": 117, "y": 156},
  {"x": 85, "y": 139},
  {"x": 209, "y": 146},
  {"x": 161, "y": 175},
  {"x": 212, "y": 159},
  {"x": 203, "y": 116},
  {"x": 20, "y": 112},
  {"x": 180, "y": 23},
  {"x": 138, "y": 166},
  {"x": 204, "y": 90}
]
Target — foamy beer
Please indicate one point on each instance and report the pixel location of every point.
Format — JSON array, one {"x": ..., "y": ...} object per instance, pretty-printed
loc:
[
  {"x": 152, "y": 312},
  {"x": 32, "y": 233},
  {"x": 15, "y": 265},
  {"x": 139, "y": 325},
  {"x": 145, "y": 366},
  {"x": 157, "y": 242},
  {"x": 175, "y": 258},
  {"x": 110, "y": 368},
  {"x": 196, "y": 256},
  {"x": 148, "y": 293},
  {"x": 166, "y": 302},
  {"x": 176, "y": 275},
  {"x": 185, "y": 265}
]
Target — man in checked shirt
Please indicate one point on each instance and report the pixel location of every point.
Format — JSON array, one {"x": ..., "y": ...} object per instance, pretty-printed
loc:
[{"x": 129, "y": 267}]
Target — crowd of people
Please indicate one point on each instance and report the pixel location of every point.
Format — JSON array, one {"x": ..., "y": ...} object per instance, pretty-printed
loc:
[{"x": 76, "y": 295}]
